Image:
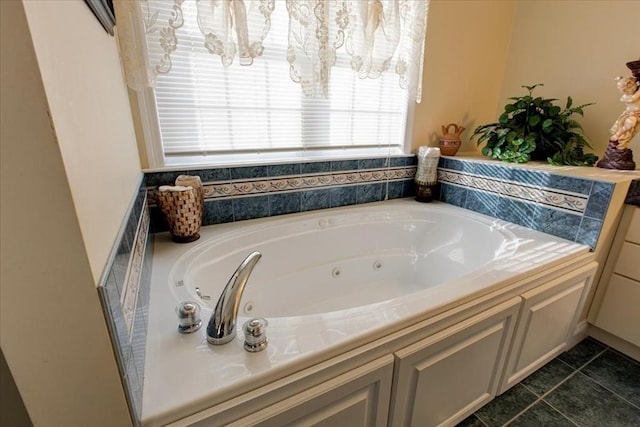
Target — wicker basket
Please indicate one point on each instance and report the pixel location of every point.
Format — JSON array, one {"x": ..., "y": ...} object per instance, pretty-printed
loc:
[{"x": 183, "y": 212}]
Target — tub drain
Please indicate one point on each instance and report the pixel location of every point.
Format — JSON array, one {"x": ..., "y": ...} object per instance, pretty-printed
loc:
[
  {"x": 377, "y": 265},
  {"x": 336, "y": 272}
]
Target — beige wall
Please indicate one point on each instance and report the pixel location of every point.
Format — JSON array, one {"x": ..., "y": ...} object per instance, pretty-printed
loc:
[
  {"x": 465, "y": 56},
  {"x": 575, "y": 48},
  {"x": 52, "y": 331},
  {"x": 90, "y": 109}
]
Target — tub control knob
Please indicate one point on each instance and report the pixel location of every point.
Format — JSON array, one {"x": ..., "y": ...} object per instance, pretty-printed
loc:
[
  {"x": 255, "y": 335},
  {"x": 189, "y": 314}
]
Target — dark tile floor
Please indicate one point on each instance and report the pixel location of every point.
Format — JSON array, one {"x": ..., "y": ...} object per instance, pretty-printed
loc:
[{"x": 590, "y": 385}]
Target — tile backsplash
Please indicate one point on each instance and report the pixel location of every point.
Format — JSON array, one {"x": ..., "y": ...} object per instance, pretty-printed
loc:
[
  {"x": 567, "y": 207},
  {"x": 124, "y": 292},
  {"x": 238, "y": 193}
]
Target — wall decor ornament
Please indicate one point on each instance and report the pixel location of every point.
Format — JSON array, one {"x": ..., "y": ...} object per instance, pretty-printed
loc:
[{"x": 618, "y": 154}]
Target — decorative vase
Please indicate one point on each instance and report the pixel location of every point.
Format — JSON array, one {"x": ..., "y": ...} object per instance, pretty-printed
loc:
[
  {"x": 182, "y": 210},
  {"x": 450, "y": 141}
]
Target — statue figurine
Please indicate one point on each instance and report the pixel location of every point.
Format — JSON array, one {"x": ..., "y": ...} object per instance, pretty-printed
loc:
[{"x": 618, "y": 154}]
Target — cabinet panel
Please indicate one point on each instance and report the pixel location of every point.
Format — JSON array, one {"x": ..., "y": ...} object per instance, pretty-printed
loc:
[
  {"x": 548, "y": 316},
  {"x": 442, "y": 379},
  {"x": 628, "y": 263},
  {"x": 619, "y": 313},
  {"x": 633, "y": 233},
  {"x": 357, "y": 398}
]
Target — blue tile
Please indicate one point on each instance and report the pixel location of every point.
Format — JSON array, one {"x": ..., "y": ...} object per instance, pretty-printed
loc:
[
  {"x": 393, "y": 190},
  {"x": 372, "y": 163},
  {"x": 121, "y": 263},
  {"x": 315, "y": 199},
  {"x": 457, "y": 165},
  {"x": 618, "y": 373},
  {"x": 217, "y": 212},
  {"x": 119, "y": 332},
  {"x": 280, "y": 204},
  {"x": 493, "y": 171},
  {"x": 284, "y": 170},
  {"x": 547, "y": 377},
  {"x": 517, "y": 212},
  {"x": 144, "y": 292},
  {"x": 343, "y": 196},
  {"x": 506, "y": 406},
  {"x": 132, "y": 380},
  {"x": 403, "y": 161},
  {"x": 537, "y": 178},
  {"x": 589, "y": 232},
  {"x": 139, "y": 341},
  {"x": 344, "y": 165},
  {"x": 557, "y": 223},
  {"x": 156, "y": 179},
  {"x": 368, "y": 193},
  {"x": 453, "y": 194},
  {"x": 315, "y": 167},
  {"x": 541, "y": 414},
  {"x": 582, "y": 353},
  {"x": 484, "y": 203},
  {"x": 212, "y": 175},
  {"x": 599, "y": 199},
  {"x": 248, "y": 172},
  {"x": 250, "y": 207},
  {"x": 408, "y": 188},
  {"x": 566, "y": 183},
  {"x": 589, "y": 404}
]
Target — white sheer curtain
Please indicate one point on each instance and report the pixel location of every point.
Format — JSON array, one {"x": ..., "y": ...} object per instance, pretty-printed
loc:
[{"x": 379, "y": 36}]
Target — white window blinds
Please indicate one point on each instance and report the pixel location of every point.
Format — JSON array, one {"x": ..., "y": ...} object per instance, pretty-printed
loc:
[{"x": 209, "y": 113}]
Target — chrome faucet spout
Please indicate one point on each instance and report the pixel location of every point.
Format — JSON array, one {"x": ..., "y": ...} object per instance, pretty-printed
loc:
[{"x": 222, "y": 324}]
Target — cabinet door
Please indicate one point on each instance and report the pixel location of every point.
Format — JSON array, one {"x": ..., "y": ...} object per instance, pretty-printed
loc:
[
  {"x": 443, "y": 378},
  {"x": 548, "y": 316},
  {"x": 357, "y": 398}
]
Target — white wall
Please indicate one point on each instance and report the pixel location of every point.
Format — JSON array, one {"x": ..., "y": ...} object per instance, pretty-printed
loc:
[
  {"x": 465, "y": 56},
  {"x": 89, "y": 105},
  {"x": 52, "y": 331},
  {"x": 575, "y": 48}
]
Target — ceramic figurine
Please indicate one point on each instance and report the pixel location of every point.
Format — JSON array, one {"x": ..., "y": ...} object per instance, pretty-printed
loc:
[
  {"x": 450, "y": 141},
  {"x": 618, "y": 154}
]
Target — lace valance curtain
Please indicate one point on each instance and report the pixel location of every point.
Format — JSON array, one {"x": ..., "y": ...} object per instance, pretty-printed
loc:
[{"x": 379, "y": 36}]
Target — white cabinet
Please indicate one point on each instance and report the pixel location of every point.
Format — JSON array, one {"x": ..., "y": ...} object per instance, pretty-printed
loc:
[
  {"x": 445, "y": 377},
  {"x": 357, "y": 398},
  {"x": 547, "y": 317},
  {"x": 619, "y": 287}
]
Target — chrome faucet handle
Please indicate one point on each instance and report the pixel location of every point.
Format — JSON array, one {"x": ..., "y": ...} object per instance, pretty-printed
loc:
[
  {"x": 189, "y": 314},
  {"x": 222, "y": 324},
  {"x": 255, "y": 335}
]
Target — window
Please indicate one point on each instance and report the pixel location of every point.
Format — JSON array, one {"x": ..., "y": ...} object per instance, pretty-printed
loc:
[{"x": 211, "y": 114}]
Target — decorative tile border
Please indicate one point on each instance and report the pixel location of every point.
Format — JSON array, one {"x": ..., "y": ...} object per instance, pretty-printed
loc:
[
  {"x": 555, "y": 199},
  {"x": 124, "y": 293},
  {"x": 234, "y": 194},
  {"x": 567, "y": 207}
]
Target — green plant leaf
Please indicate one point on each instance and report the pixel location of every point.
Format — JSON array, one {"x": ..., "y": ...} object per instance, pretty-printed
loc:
[
  {"x": 534, "y": 120},
  {"x": 547, "y": 124},
  {"x": 569, "y": 102}
]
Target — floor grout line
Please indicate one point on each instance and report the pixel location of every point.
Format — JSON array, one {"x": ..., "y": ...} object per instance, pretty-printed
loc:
[
  {"x": 561, "y": 413},
  {"x": 481, "y": 420},
  {"x": 611, "y": 391}
]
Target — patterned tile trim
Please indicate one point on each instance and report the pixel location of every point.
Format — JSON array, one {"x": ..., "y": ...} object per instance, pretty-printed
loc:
[
  {"x": 255, "y": 186},
  {"x": 132, "y": 281},
  {"x": 124, "y": 293},
  {"x": 561, "y": 200}
]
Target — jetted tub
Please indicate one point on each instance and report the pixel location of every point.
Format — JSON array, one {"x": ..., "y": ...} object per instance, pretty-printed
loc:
[{"x": 327, "y": 279}]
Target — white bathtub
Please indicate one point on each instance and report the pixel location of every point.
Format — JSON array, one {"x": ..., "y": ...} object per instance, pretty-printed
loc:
[{"x": 327, "y": 280}]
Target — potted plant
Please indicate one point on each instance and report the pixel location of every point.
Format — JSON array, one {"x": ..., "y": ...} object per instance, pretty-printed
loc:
[{"x": 536, "y": 129}]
